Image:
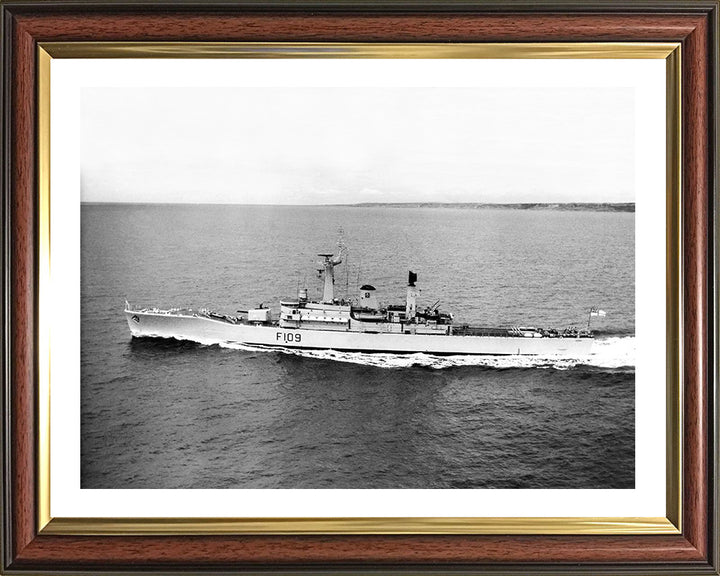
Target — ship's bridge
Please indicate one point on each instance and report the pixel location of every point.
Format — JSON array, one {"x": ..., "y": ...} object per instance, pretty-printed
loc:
[{"x": 314, "y": 315}]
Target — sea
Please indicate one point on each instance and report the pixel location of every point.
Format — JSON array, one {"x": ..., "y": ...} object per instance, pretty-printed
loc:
[{"x": 165, "y": 413}]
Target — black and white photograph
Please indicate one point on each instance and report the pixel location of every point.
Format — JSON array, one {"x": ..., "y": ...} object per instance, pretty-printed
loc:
[{"x": 358, "y": 287}]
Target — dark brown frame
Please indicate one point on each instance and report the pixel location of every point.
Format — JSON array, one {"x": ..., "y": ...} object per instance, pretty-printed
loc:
[{"x": 693, "y": 23}]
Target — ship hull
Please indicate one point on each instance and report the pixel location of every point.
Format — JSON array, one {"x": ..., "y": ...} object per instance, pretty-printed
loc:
[{"x": 202, "y": 329}]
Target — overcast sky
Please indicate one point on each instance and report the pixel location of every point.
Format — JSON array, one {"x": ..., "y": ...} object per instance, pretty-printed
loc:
[{"x": 351, "y": 145}]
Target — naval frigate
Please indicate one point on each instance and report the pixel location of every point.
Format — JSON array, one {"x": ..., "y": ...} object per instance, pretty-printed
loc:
[{"x": 361, "y": 325}]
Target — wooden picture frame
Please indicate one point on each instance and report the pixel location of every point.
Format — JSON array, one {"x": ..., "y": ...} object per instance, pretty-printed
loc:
[{"x": 31, "y": 544}]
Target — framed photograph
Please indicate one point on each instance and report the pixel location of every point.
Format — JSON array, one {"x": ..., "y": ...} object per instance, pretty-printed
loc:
[{"x": 358, "y": 287}]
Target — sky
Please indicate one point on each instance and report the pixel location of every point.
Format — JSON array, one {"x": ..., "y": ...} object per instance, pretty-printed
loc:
[{"x": 353, "y": 145}]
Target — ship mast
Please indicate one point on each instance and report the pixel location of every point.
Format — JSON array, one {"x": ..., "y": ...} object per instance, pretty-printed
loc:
[{"x": 328, "y": 270}]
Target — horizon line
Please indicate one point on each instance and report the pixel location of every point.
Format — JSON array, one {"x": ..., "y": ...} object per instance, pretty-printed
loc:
[{"x": 360, "y": 204}]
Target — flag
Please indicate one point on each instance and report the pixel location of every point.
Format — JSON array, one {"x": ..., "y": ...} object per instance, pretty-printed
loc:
[{"x": 597, "y": 312}]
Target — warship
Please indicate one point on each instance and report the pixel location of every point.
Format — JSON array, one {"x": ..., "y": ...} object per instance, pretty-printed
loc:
[{"x": 360, "y": 325}]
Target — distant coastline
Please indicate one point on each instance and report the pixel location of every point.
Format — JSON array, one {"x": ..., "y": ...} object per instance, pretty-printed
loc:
[
  {"x": 572, "y": 206},
  {"x": 559, "y": 206}
]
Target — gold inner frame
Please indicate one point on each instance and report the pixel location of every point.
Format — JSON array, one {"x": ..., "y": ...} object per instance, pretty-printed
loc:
[{"x": 670, "y": 524}]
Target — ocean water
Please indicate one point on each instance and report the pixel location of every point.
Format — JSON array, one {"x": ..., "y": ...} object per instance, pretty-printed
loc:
[{"x": 171, "y": 414}]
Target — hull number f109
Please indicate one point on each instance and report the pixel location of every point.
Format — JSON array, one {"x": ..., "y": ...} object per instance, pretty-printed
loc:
[{"x": 288, "y": 337}]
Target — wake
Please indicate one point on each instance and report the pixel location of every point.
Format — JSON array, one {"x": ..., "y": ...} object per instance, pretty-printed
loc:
[{"x": 614, "y": 353}]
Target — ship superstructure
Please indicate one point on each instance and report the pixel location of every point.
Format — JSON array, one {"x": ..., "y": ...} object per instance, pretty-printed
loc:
[{"x": 360, "y": 325}]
